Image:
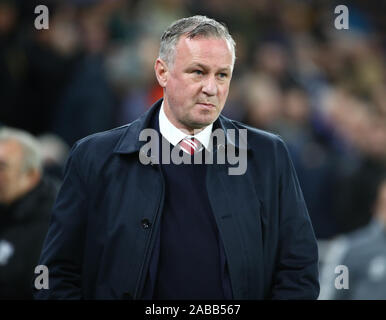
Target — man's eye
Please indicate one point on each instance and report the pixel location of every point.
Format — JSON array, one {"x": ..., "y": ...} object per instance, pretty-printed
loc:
[
  {"x": 223, "y": 75},
  {"x": 198, "y": 72}
]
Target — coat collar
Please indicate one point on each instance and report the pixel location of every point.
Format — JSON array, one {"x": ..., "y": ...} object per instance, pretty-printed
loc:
[{"x": 130, "y": 143}]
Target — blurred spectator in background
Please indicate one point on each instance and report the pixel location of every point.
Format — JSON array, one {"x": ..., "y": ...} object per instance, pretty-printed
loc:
[
  {"x": 363, "y": 131},
  {"x": 263, "y": 100},
  {"x": 54, "y": 153},
  {"x": 37, "y": 65},
  {"x": 364, "y": 254},
  {"x": 87, "y": 101},
  {"x": 59, "y": 71},
  {"x": 11, "y": 61},
  {"x": 313, "y": 159},
  {"x": 26, "y": 198}
]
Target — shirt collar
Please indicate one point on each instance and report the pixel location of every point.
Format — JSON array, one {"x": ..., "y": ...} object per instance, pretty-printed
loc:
[{"x": 175, "y": 135}]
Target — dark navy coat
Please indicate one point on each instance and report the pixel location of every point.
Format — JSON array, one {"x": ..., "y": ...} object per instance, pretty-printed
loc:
[{"x": 103, "y": 224}]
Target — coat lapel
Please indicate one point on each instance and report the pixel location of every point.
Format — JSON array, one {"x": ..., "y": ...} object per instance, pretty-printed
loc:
[{"x": 237, "y": 207}]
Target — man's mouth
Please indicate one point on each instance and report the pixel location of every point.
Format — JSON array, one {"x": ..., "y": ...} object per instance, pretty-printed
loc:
[{"x": 206, "y": 105}]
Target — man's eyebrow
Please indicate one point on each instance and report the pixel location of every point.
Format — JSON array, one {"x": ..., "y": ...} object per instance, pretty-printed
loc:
[
  {"x": 200, "y": 65},
  {"x": 228, "y": 69},
  {"x": 197, "y": 64}
]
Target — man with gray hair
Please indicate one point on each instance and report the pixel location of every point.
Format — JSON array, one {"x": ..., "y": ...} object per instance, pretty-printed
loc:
[
  {"x": 26, "y": 199},
  {"x": 130, "y": 224}
]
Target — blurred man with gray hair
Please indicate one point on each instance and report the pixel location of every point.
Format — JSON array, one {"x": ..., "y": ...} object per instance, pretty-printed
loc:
[{"x": 26, "y": 199}]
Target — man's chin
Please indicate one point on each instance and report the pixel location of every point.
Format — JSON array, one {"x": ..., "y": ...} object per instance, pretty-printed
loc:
[{"x": 202, "y": 123}]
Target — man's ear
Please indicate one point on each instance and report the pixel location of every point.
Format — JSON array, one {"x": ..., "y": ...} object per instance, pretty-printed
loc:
[
  {"x": 33, "y": 176},
  {"x": 161, "y": 72}
]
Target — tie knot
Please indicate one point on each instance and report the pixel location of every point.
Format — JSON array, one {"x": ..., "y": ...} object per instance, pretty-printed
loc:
[{"x": 190, "y": 145}]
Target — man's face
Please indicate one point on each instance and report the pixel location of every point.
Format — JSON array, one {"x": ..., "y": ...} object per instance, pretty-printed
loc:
[
  {"x": 13, "y": 181},
  {"x": 196, "y": 85}
]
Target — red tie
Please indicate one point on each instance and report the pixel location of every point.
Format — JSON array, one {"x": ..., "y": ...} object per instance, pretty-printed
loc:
[{"x": 190, "y": 145}]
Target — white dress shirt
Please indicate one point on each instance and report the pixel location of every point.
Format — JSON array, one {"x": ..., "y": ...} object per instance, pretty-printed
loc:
[{"x": 174, "y": 135}]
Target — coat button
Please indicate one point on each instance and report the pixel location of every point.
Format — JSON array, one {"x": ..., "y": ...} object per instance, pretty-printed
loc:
[
  {"x": 220, "y": 147},
  {"x": 145, "y": 223}
]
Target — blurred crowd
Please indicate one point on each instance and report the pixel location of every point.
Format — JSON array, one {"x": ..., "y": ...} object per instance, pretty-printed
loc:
[{"x": 321, "y": 89}]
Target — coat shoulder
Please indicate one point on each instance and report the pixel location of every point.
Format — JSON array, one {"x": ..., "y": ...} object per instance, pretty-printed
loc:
[
  {"x": 102, "y": 143},
  {"x": 268, "y": 148},
  {"x": 102, "y": 139},
  {"x": 257, "y": 137},
  {"x": 94, "y": 151}
]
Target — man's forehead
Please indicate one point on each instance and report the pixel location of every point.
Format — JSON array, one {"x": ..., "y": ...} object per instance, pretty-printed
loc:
[
  {"x": 10, "y": 147},
  {"x": 201, "y": 42},
  {"x": 204, "y": 47}
]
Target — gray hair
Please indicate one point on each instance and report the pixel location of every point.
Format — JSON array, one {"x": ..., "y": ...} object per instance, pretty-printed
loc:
[
  {"x": 192, "y": 27},
  {"x": 32, "y": 157}
]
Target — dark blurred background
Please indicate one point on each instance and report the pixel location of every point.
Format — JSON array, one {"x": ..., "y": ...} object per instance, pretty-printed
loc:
[{"x": 321, "y": 89}]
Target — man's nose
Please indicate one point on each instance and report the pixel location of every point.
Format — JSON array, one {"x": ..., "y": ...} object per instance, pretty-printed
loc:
[{"x": 210, "y": 86}]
